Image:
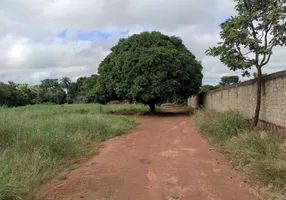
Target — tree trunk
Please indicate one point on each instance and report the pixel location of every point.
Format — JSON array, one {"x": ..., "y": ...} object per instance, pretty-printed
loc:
[
  {"x": 258, "y": 96},
  {"x": 152, "y": 107}
]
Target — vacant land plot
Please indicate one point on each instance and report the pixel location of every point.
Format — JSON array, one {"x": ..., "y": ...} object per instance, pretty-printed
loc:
[{"x": 37, "y": 141}]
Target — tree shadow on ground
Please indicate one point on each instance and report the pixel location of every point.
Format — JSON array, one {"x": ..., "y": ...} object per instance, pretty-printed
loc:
[{"x": 168, "y": 111}]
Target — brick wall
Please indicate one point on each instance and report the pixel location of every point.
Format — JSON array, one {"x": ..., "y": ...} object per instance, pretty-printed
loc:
[{"x": 242, "y": 97}]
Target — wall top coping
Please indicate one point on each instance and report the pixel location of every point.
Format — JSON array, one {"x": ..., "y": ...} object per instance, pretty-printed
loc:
[{"x": 269, "y": 77}]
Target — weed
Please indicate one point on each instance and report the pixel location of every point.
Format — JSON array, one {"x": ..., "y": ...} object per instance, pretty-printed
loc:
[
  {"x": 107, "y": 195},
  {"x": 63, "y": 177},
  {"x": 175, "y": 196}
]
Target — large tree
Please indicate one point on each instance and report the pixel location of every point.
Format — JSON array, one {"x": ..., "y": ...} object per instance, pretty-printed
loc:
[
  {"x": 51, "y": 91},
  {"x": 150, "y": 68},
  {"x": 89, "y": 87},
  {"x": 250, "y": 36},
  {"x": 65, "y": 83}
]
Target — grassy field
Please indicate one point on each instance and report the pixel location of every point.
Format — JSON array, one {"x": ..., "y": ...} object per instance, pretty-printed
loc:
[
  {"x": 36, "y": 141},
  {"x": 260, "y": 155}
]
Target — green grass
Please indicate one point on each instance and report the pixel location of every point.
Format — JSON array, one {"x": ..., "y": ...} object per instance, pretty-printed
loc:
[
  {"x": 219, "y": 127},
  {"x": 36, "y": 141},
  {"x": 260, "y": 155},
  {"x": 125, "y": 108}
]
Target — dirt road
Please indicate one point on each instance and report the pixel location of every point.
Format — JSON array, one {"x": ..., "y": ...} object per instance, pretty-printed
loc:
[{"x": 163, "y": 158}]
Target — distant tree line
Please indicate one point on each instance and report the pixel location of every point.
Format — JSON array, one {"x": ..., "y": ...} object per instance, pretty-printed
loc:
[
  {"x": 84, "y": 90},
  {"x": 224, "y": 81}
]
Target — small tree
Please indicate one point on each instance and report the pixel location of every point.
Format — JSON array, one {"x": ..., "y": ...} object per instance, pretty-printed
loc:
[
  {"x": 250, "y": 36},
  {"x": 150, "y": 68},
  {"x": 228, "y": 80}
]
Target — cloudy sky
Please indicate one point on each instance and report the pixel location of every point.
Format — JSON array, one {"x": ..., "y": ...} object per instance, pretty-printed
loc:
[{"x": 54, "y": 38}]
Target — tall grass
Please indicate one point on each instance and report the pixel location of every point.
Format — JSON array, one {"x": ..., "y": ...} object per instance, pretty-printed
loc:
[
  {"x": 219, "y": 127},
  {"x": 35, "y": 141},
  {"x": 260, "y": 155},
  {"x": 125, "y": 108}
]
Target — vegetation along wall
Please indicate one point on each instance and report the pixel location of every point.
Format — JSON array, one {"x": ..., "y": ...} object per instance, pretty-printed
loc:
[{"x": 242, "y": 97}]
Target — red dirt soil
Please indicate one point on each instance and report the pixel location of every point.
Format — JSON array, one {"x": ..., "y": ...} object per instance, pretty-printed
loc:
[{"x": 164, "y": 158}]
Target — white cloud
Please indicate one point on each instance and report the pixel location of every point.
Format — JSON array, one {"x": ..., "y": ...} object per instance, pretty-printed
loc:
[
  {"x": 31, "y": 51},
  {"x": 40, "y": 75}
]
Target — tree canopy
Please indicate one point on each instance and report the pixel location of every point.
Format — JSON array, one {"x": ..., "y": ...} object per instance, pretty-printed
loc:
[
  {"x": 149, "y": 68},
  {"x": 206, "y": 88},
  {"x": 228, "y": 80},
  {"x": 249, "y": 37},
  {"x": 13, "y": 94},
  {"x": 84, "y": 90},
  {"x": 51, "y": 91}
]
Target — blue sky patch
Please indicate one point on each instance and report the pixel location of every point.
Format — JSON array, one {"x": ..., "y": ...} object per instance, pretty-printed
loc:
[
  {"x": 92, "y": 35},
  {"x": 103, "y": 35},
  {"x": 223, "y": 18},
  {"x": 87, "y": 35},
  {"x": 62, "y": 34},
  {"x": 124, "y": 32}
]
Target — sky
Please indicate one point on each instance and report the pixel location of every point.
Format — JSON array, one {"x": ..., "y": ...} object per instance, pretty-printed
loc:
[{"x": 42, "y": 39}]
